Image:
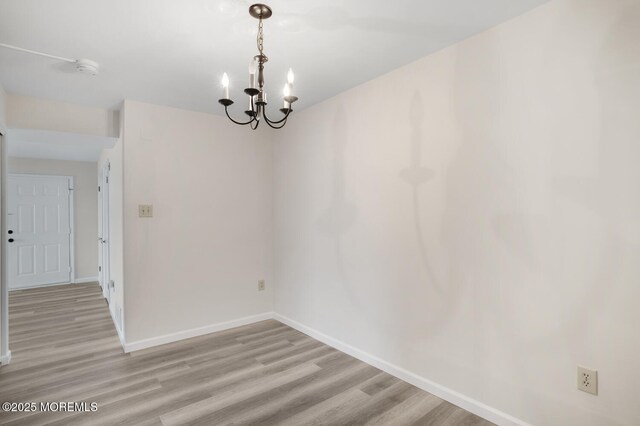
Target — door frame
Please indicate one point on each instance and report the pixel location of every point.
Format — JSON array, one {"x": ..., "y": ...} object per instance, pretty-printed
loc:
[
  {"x": 104, "y": 227},
  {"x": 72, "y": 235},
  {"x": 5, "y": 352}
]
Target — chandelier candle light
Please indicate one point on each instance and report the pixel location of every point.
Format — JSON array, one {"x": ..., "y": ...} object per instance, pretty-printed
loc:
[{"x": 257, "y": 95}]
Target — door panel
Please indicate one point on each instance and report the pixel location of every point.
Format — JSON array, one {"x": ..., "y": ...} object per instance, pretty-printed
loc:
[
  {"x": 52, "y": 258},
  {"x": 26, "y": 219},
  {"x": 26, "y": 260},
  {"x": 39, "y": 215}
]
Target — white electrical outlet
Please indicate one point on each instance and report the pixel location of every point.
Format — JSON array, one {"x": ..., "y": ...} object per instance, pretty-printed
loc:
[
  {"x": 261, "y": 285},
  {"x": 588, "y": 380},
  {"x": 145, "y": 210}
]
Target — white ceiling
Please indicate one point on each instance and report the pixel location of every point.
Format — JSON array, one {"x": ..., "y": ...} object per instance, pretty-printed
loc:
[
  {"x": 26, "y": 143},
  {"x": 173, "y": 52}
]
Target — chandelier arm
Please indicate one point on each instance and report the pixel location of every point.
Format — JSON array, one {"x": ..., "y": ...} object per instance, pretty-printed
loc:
[
  {"x": 271, "y": 124},
  {"x": 256, "y": 125},
  {"x": 226, "y": 110},
  {"x": 284, "y": 119}
]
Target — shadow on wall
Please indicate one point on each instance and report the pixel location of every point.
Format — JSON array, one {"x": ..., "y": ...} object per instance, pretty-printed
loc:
[
  {"x": 416, "y": 175},
  {"x": 341, "y": 214},
  {"x": 431, "y": 302}
]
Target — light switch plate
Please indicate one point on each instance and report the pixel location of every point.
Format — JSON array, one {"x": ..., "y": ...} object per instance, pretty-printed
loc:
[
  {"x": 588, "y": 380},
  {"x": 261, "y": 285},
  {"x": 145, "y": 210}
]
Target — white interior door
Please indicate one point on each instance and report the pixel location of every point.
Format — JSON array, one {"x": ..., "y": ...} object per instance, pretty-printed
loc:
[
  {"x": 104, "y": 239},
  {"x": 39, "y": 227}
]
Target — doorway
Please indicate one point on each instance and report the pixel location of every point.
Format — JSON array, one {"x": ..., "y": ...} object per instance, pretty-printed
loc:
[
  {"x": 40, "y": 230},
  {"x": 104, "y": 240},
  {"x": 52, "y": 202}
]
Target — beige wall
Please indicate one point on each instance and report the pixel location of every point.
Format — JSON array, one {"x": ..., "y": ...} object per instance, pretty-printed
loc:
[
  {"x": 86, "y": 206},
  {"x": 474, "y": 217},
  {"x": 26, "y": 112},
  {"x": 196, "y": 263}
]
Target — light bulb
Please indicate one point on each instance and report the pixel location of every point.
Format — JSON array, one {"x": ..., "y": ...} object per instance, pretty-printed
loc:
[
  {"x": 290, "y": 76},
  {"x": 225, "y": 86},
  {"x": 287, "y": 92},
  {"x": 252, "y": 74}
]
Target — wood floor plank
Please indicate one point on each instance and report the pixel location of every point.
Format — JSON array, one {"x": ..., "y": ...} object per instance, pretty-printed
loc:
[
  {"x": 269, "y": 406},
  {"x": 65, "y": 348},
  {"x": 408, "y": 412}
]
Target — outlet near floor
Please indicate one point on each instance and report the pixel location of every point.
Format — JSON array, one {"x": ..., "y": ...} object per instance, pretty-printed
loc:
[{"x": 588, "y": 380}]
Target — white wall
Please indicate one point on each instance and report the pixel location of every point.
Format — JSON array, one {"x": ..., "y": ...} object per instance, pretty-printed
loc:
[
  {"x": 196, "y": 263},
  {"x": 85, "y": 196},
  {"x": 474, "y": 217},
  {"x": 26, "y": 112}
]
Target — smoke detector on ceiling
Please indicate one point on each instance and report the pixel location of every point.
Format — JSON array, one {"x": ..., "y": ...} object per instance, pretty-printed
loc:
[{"x": 87, "y": 66}]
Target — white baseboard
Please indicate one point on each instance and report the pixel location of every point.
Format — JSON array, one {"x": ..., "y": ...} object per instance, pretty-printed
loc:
[
  {"x": 38, "y": 286},
  {"x": 75, "y": 281},
  {"x": 186, "y": 334},
  {"x": 85, "y": 280},
  {"x": 476, "y": 407},
  {"x": 456, "y": 398},
  {"x": 120, "y": 334},
  {"x": 6, "y": 358}
]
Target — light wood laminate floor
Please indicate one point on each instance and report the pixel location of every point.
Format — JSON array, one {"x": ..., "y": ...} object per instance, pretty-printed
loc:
[{"x": 65, "y": 348}]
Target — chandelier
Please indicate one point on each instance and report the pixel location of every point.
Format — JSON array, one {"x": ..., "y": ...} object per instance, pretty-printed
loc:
[{"x": 257, "y": 110}]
